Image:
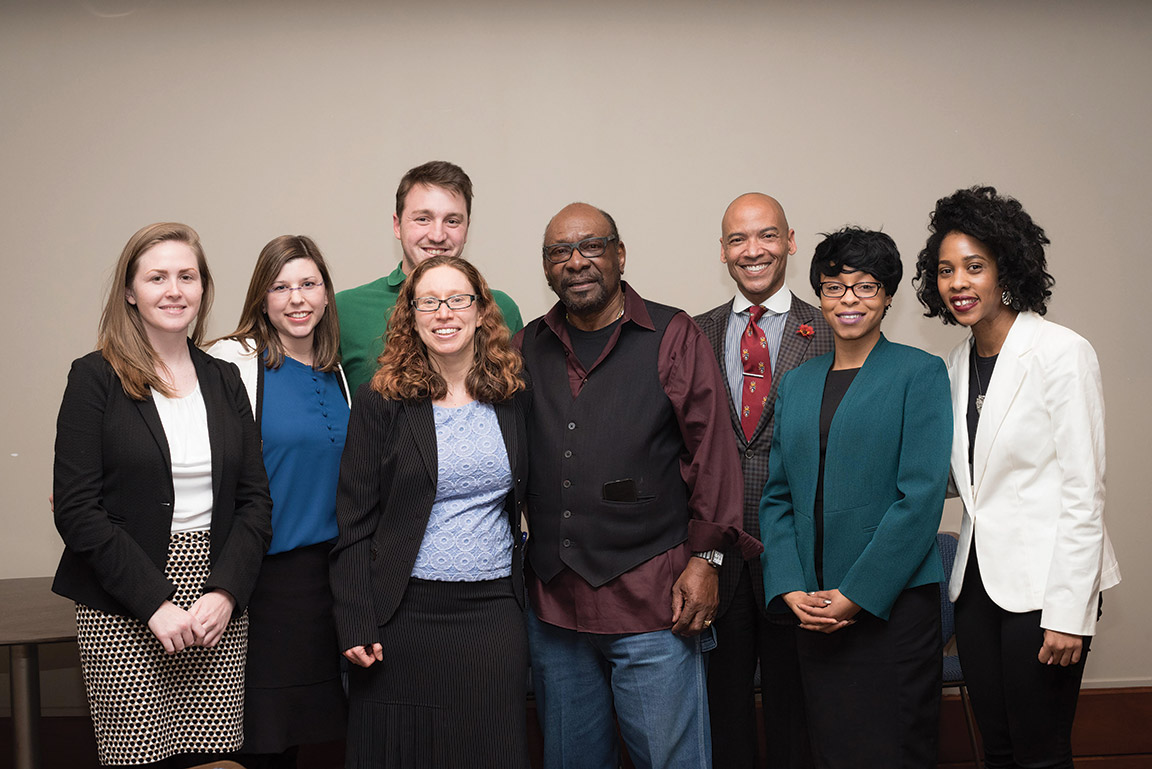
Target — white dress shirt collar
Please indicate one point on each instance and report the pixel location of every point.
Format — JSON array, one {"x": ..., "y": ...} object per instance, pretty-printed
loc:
[{"x": 778, "y": 303}]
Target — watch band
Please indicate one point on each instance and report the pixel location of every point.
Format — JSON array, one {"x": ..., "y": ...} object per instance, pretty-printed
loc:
[{"x": 714, "y": 557}]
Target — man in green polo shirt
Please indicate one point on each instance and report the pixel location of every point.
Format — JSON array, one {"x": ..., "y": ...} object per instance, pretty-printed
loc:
[{"x": 433, "y": 208}]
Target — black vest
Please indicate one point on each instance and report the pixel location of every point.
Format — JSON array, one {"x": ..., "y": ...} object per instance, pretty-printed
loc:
[{"x": 620, "y": 427}]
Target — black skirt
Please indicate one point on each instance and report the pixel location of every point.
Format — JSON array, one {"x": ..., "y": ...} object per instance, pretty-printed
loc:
[
  {"x": 451, "y": 689},
  {"x": 292, "y": 694},
  {"x": 872, "y": 689}
]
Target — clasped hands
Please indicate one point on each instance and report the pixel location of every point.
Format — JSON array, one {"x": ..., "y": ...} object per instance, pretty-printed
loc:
[
  {"x": 202, "y": 624},
  {"x": 823, "y": 611}
]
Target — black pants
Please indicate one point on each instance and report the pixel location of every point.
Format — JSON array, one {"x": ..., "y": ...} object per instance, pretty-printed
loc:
[
  {"x": 744, "y": 636},
  {"x": 1024, "y": 708},
  {"x": 873, "y": 688}
]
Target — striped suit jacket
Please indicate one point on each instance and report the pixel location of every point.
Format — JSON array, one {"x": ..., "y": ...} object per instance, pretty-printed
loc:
[
  {"x": 795, "y": 348},
  {"x": 387, "y": 487}
]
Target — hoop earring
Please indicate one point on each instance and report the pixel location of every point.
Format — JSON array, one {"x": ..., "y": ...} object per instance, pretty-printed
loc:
[{"x": 1006, "y": 298}]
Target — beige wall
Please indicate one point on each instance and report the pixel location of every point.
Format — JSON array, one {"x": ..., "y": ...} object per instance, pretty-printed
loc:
[{"x": 250, "y": 120}]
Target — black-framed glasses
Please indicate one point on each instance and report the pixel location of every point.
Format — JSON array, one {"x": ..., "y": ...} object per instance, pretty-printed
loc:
[
  {"x": 589, "y": 248},
  {"x": 865, "y": 289},
  {"x": 432, "y": 303},
  {"x": 308, "y": 287}
]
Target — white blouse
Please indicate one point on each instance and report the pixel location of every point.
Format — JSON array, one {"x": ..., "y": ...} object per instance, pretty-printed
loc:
[{"x": 185, "y": 423}]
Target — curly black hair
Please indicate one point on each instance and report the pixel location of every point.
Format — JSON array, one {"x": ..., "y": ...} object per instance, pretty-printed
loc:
[
  {"x": 854, "y": 248},
  {"x": 1000, "y": 223}
]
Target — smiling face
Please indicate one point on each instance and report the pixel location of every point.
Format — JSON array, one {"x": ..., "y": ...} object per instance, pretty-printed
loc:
[
  {"x": 166, "y": 289},
  {"x": 755, "y": 243},
  {"x": 851, "y": 318},
  {"x": 434, "y": 221},
  {"x": 588, "y": 288},
  {"x": 448, "y": 334},
  {"x": 295, "y": 313},
  {"x": 969, "y": 281}
]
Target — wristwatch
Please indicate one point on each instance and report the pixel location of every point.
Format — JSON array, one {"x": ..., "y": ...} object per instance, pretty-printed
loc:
[{"x": 713, "y": 557}]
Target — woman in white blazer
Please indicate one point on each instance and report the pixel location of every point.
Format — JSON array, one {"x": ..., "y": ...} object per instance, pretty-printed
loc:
[{"x": 1028, "y": 463}]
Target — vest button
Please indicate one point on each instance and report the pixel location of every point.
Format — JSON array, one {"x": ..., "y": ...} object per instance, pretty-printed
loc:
[
  {"x": 571, "y": 425},
  {"x": 749, "y": 454},
  {"x": 568, "y": 454},
  {"x": 567, "y": 483},
  {"x": 567, "y": 543},
  {"x": 567, "y": 513}
]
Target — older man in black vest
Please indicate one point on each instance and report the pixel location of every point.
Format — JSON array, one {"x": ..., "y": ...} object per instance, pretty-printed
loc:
[
  {"x": 755, "y": 243},
  {"x": 634, "y": 493}
]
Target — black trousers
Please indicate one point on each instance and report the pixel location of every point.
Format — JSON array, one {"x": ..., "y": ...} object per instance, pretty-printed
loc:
[
  {"x": 744, "y": 637},
  {"x": 1024, "y": 708},
  {"x": 873, "y": 688}
]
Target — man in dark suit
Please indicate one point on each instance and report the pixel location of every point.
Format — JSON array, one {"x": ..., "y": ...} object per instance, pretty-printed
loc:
[{"x": 755, "y": 244}]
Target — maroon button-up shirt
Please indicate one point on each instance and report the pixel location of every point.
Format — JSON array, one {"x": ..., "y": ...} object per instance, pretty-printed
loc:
[{"x": 640, "y": 600}]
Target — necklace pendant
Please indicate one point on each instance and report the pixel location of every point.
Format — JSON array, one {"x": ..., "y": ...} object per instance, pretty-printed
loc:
[{"x": 979, "y": 403}]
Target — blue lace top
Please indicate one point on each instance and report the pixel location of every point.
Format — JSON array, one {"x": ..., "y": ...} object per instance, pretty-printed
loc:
[{"x": 468, "y": 538}]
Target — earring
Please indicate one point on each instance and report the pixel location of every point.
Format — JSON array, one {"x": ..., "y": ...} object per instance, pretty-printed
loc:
[{"x": 1006, "y": 298}]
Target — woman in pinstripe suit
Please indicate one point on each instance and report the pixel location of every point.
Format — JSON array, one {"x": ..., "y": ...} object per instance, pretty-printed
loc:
[{"x": 427, "y": 569}]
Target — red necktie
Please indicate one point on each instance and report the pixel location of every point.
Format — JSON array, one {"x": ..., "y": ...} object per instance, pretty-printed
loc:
[{"x": 757, "y": 373}]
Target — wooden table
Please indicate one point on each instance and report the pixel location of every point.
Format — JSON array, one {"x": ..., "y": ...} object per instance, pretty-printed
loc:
[{"x": 30, "y": 614}]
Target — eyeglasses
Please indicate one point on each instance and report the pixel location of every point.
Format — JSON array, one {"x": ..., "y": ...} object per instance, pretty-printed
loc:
[
  {"x": 862, "y": 290},
  {"x": 589, "y": 248},
  {"x": 283, "y": 290},
  {"x": 432, "y": 304}
]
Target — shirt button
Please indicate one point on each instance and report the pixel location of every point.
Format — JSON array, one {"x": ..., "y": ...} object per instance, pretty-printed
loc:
[
  {"x": 567, "y": 543},
  {"x": 571, "y": 425},
  {"x": 567, "y": 513},
  {"x": 567, "y": 483},
  {"x": 567, "y": 454}
]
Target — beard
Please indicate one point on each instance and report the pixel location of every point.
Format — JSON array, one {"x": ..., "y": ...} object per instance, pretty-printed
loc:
[{"x": 587, "y": 301}]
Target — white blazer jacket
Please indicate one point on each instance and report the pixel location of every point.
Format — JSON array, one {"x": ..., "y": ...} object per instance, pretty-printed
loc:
[{"x": 1034, "y": 502}]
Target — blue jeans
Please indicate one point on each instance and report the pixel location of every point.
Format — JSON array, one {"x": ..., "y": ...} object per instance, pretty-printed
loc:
[{"x": 655, "y": 682}]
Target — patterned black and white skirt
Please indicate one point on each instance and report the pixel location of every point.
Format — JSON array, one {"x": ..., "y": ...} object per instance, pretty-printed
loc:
[{"x": 148, "y": 705}]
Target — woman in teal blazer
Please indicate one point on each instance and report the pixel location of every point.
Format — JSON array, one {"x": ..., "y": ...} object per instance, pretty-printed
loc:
[{"x": 856, "y": 482}]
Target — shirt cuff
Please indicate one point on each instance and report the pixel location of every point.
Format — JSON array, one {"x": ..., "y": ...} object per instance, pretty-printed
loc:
[{"x": 706, "y": 535}]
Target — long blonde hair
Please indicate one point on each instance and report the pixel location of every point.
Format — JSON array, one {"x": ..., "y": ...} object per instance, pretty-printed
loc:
[
  {"x": 406, "y": 373},
  {"x": 122, "y": 339}
]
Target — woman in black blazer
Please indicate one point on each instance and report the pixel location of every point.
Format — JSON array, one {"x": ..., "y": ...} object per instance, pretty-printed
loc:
[
  {"x": 163, "y": 506},
  {"x": 427, "y": 568}
]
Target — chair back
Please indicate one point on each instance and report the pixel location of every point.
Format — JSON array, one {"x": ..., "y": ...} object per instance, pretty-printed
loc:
[{"x": 946, "y": 541}]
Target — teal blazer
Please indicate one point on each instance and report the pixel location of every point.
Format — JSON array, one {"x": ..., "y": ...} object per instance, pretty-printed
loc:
[{"x": 885, "y": 474}]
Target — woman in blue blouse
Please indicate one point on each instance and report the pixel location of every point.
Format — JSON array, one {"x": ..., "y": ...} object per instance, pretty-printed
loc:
[
  {"x": 858, "y": 470},
  {"x": 427, "y": 571},
  {"x": 286, "y": 348}
]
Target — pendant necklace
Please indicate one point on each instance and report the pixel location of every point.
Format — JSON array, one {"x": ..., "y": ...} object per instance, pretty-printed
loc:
[{"x": 980, "y": 388}]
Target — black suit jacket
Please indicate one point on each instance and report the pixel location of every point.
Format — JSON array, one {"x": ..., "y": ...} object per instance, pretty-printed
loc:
[
  {"x": 112, "y": 482},
  {"x": 795, "y": 348},
  {"x": 387, "y": 487}
]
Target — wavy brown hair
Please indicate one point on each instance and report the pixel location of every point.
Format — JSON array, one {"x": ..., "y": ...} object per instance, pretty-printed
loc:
[
  {"x": 122, "y": 339},
  {"x": 406, "y": 372},
  {"x": 255, "y": 329}
]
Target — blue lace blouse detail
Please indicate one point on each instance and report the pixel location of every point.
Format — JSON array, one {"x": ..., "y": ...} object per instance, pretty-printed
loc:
[{"x": 468, "y": 538}]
